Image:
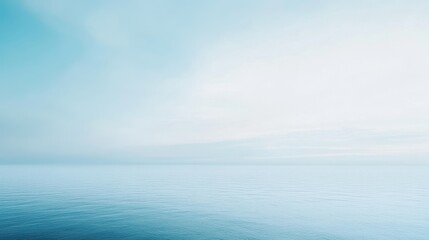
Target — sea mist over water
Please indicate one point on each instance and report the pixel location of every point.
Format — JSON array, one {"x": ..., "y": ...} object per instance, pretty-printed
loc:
[{"x": 214, "y": 202}]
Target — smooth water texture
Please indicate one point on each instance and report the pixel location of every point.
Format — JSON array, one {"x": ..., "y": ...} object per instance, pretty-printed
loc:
[{"x": 214, "y": 202}]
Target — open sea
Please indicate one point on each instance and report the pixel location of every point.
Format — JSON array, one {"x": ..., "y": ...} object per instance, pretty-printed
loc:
[{"x": 214, "y": 202}]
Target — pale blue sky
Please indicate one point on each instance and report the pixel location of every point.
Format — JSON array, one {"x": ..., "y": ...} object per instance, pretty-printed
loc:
[{"x": 214, "y": 81}]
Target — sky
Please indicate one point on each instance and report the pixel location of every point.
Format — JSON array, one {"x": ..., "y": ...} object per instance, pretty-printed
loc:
[{"x": 226, "y": 81}]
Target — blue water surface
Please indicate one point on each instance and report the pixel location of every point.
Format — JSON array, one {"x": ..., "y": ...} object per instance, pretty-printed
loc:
[{"x": 214, "y": 202}]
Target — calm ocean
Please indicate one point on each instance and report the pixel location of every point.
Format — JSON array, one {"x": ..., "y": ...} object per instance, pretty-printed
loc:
[{"x": 214, "y": 202}]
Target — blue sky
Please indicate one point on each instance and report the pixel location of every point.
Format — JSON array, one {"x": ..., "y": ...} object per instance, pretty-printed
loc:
[{"x": 214, "y": 81}]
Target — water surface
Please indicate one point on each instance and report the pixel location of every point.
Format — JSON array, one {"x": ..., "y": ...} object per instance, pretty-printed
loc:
[{"x": 214, "y": 202}]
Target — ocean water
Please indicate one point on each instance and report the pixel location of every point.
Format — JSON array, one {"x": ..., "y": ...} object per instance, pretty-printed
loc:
[{"x": 214, "y": 202}]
